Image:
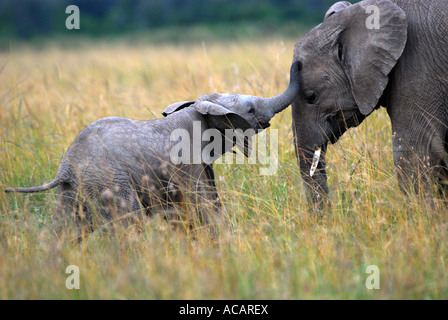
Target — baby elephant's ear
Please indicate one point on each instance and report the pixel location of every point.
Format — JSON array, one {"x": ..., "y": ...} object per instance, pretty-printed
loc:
[
  {"x": 222, "y": 118},
  {"x": 176, "y": 107}
]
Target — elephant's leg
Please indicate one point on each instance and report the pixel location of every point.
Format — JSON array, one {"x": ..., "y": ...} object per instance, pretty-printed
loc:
[
  {"x": 120, "y": 204},
  {"x": 420, "y": 157},
  {"x": 188, "y": 199},
  {"x": 70, "y": 214},
  {"x": 203, "y": 195},
  {"x": 439, "y": 160},
  {"x": 444, "y": 170},
  {"x": 405, "y": 159}
]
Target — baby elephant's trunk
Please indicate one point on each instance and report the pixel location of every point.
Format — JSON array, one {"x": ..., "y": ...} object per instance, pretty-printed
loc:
[{"x": 282, "y": 101}]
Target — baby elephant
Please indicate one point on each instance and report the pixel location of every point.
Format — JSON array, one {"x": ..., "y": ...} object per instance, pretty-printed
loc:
[{"x": 119, "y": 169}]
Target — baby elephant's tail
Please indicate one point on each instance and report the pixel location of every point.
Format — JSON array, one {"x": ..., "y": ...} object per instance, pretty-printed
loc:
[{"x": 44, "y": 187}]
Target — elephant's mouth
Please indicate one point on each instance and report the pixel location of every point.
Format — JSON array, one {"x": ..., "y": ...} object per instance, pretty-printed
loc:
[
  {"x": 265, "y": 125},
  {"x": 262, "y": 125}
]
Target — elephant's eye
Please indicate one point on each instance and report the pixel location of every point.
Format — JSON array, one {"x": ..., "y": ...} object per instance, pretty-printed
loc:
[
  {"x": 340, "y": 52},
  {"x": 310, "y": 97},
  {"x": 252, "y": 110}
]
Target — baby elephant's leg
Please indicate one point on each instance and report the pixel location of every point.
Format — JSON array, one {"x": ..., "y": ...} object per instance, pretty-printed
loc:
[
  {"x": 204, "y": 197},
  {"x": 71, "y": 214},
  {"x": 120, "y": 204}
]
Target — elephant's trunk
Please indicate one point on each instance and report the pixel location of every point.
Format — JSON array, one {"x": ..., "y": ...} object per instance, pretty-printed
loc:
[
  {"x": 279, "y": 103},
  {"x": 313, "y": 169},
  {"x": 311, "y": 152}
]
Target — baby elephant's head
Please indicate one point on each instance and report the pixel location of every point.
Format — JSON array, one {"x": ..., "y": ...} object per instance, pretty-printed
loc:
[{"x": 234, "y": 111}]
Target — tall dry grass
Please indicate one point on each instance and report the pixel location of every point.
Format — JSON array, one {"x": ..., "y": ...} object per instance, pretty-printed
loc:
[{"x": 276, "y": 250}]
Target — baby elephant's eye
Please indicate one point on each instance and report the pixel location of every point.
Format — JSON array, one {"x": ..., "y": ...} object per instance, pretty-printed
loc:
[
  {"x": 252, "y": 110},
  {"x": 310, "y": 97}
]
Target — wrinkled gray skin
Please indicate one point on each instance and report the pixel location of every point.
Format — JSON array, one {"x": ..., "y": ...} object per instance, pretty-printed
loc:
[
  {"x": 349, "y": 71},
  {"x": 118, "y": 166}
]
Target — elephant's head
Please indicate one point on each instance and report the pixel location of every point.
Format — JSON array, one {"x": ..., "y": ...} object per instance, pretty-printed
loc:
[
  {"x": 236, "y": 111},
  {"x": 346, "y": 66},
  {"x": 243, "y": 112}
]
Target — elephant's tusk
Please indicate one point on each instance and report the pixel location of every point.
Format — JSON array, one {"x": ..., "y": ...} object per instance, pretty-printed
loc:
[{"x": 315, "y": 163}]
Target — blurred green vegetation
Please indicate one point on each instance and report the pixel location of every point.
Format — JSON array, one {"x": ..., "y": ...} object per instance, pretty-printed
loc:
[{"x": 27, "y": 20}]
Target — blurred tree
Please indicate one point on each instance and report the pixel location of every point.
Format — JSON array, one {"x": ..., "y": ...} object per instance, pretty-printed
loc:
[{"x": 27, "y": 18}]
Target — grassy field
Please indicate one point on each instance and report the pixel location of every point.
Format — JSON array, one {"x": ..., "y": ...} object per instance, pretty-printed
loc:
[{"x": 275, "y": 250}]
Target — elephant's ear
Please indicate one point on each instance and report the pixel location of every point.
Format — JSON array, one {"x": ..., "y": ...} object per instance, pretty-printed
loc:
[
  {"x": 221, "y": 117},
  {"x": 368, "y": 52},
  {"x": 176, "y": 107},
  {"x": 338, "y": 6}
]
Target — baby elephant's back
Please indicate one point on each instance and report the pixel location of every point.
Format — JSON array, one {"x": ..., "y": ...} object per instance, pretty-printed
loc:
[{"x": 111, "y": 149}]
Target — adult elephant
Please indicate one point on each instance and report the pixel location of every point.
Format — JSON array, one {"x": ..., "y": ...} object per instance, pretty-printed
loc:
[{"x": 376, "y": 53}]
